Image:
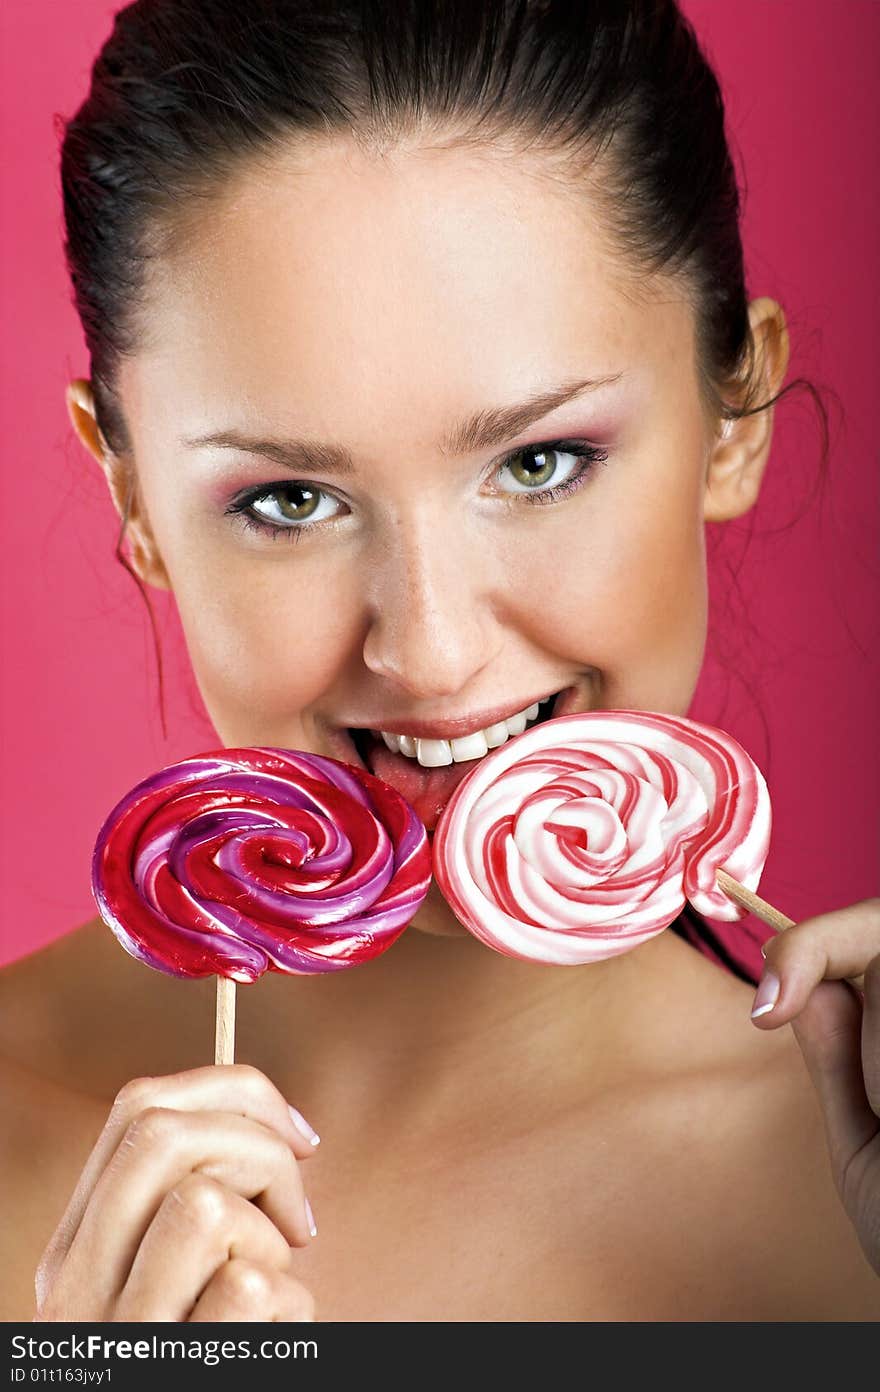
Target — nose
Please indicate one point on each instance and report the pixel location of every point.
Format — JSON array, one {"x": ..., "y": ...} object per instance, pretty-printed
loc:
[{"x": 433, "y": 626}]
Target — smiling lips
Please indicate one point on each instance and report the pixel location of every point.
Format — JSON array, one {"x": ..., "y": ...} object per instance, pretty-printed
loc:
[
  {"x": 425, "y": 770},
  {"x": 436, "y": 753}
]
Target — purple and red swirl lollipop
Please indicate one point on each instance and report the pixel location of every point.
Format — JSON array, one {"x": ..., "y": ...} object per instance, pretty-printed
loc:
[{"x": 241, "y": 861}]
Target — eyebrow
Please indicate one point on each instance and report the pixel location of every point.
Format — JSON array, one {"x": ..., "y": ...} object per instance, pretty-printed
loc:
[{"x": 481, "y": 431}]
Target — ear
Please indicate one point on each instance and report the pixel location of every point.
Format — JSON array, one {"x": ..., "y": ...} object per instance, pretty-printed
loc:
[
  {"x": 737, "y": 460},
  {"x": 121, "y": 479}
]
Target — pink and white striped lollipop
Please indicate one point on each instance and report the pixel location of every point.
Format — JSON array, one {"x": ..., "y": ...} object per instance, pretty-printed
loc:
[{"x": 584, "y": 836}]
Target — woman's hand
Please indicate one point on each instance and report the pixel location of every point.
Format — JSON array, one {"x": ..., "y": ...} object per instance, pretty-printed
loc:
[
  {"x": 839, "y": 1036},
  {"x": 187, "y": 1208}
]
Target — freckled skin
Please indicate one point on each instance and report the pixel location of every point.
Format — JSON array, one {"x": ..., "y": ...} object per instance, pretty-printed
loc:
[{"x": 373, "y": 301}]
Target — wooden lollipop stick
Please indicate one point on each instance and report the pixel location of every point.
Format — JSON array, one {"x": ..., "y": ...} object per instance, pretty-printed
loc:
[
  {"x": 766, "y": 912},
  {"x": 224, "y": 1036},
  {"x": 747, "y": 900}
]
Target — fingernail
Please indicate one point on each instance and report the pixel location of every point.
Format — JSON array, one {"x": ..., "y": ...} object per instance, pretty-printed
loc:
[
  {"x": 302, "y": 1126},
  {"x": 310, "y": 1219},
  {"x": 766, "y": 995}
]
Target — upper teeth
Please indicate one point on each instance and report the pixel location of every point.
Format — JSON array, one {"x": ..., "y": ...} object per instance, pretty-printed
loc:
[{"x": 434, "y": 753}]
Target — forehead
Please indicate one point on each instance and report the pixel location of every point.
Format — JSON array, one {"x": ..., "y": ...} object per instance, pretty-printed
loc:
[{"x": 325, "y": 275}]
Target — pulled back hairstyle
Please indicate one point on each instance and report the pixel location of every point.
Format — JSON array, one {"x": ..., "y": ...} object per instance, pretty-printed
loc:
[{"x": 185, "y": 92}]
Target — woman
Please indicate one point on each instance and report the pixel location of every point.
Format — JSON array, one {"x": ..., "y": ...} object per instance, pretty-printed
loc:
[{"x": 294, "y": 237}]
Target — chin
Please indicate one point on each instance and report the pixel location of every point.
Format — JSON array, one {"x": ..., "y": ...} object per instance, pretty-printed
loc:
[
  {"x": 440, "y": 930},
  {"x": 435, "y": 918}
]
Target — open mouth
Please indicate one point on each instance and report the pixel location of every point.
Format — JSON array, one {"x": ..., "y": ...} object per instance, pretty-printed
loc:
[{"x": 427, "y": 772}]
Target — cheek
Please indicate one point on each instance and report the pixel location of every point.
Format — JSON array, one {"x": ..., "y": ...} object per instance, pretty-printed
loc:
[
  {"x": 630, "y": 599},
  {"x": 267, "y": 637},
  {"x": 661, "y": 607}
]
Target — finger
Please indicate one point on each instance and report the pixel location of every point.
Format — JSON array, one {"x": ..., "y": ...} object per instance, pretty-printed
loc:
[
  {"x": 829, "y": 1033},
  {"x": 242, "y": 1291},
  {"x": 871, "y": 1034},
  {"x": 831, "y": 946},
  {"x": 159, "y": 1148},
  {"x": 236, "y": 1087},
  {"x": 200, "y": 1225}
]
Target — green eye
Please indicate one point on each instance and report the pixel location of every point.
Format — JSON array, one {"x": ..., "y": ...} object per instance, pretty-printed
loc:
[
  {"x": 533, "y": 468},
  {"x": 291, "y": 508},
  {"x": 549, "y": 472},
  {"x": 307, "y": 500}
]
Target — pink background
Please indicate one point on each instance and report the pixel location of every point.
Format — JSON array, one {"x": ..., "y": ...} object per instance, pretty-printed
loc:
[{"x": 80, "y": 719}]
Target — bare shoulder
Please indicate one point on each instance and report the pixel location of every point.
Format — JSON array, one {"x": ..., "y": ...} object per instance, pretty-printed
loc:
[
  {"x": 48, "y": 1121},
  {"x": 78, "y": 1019},
  {"x": 81, "y": 1013},
  {"x": 46, "y": 1134},
  {"x": 698, "y": 1180},
  {"x": 749, "y": 1160},
  {"x": 813, "y": 1265}
]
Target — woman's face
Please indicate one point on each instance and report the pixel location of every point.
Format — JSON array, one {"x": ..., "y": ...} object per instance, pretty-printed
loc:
[{"x": 390, "y": 323}]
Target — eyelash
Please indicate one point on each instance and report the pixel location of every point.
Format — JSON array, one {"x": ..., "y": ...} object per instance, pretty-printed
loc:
[{"x": 591, "y": 455}]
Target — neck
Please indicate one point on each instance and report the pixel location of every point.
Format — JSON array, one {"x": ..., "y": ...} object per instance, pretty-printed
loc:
[{"x": 441, "y": 1026}]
